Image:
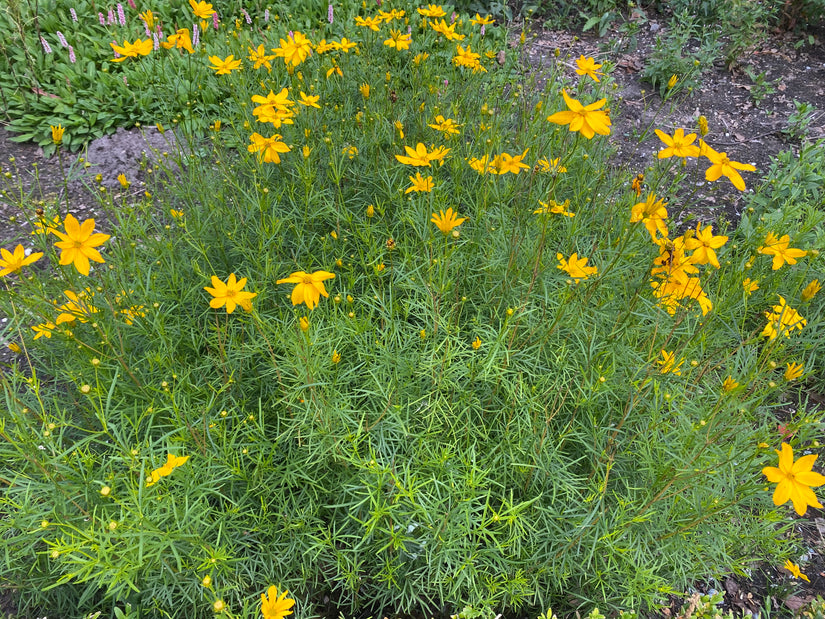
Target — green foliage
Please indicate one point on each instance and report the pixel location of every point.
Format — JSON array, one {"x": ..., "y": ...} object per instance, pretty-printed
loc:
[{"x": 461, "y": 424}]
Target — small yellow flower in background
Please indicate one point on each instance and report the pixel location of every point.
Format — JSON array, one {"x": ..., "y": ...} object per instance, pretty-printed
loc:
[
  {"x": 778, "y": 248},
  {"x": 216, "y": 126},
  {"x": 588, "y": 66},
  {"x": 431, "y": 10},
  {"x": 575, "y": 267},
  {"x": 79, "y": 307},
  {"x": 419, "y": 183},
  {"x": 148, "y": 17},
  {"x": 77, "y": 243},
  {"x": 668, "y": 364},
  {"x": 268, "y": 149},
  {"x": 304, "y": 323},
  {"x": 259, "y": 57},
  {"x": 124, "y": 182},
  {"x": 368, "y": 22},
  {"x": 364, "y": 89},
  {"x": 703, "y": 244},
  {"x": 336, "y": 357},
  {"x": 553, "y": 207},
  {"x": 14, "y": 347},
  {"x": 447, "y": 126},
  {"x": 782, "y": 320},
  {"x": 672, "y": 81},
  {"x": 400, "y": 128},
  {"x": 219, "y": 606},
  {"x": 305, "y": 151},
  {"x": 418, "y": 156},
  {"x": 57, "y": 134},
  {"x": 11, "y": 262},
  {"x": 794, "y": 371},
  {"x": 398, "y": 41},
  {"x": 504, "y": 163},
  {"x": 172, "y": 462},
  {"x": 132, "y": 50},
  {"x": 309, "y": 288},
  {"x": 702, "y": 123},
  {"x": 477, "y": 343},
  {"x": 588, "y": 120},
  {"x": 722, "y": 166},
  {"x": 44, "y": 226},
  {"x": 638, "y": 184},
  {"x": 468, "y": 58},
  {"x": 294, "y": 49},
  {"x": 729, "y": 384},
  {"x": 749, "y": 286},
  {"x": 419, "y": 58},
  {"x": 179, "y": 40},
  {"x": 447, "y": 221},
  {"x": 224, "y": 66},
  {"x": 350, "y": 151},
  {"x": 550, "y": 165},
  {"x": 44, "y": 329},
  {"x": 202, "y": 10},
  {"x": 274, "y": 606},
  {"x": 230, "y": 294},
  {"x": 482, "y": 21},
  {"x": 423, "y": 334},
  {"x": 795, "y": 571},
  {"x": 794, "y": 480},
  {"x": 105, "y": 491},
  {"x": 309, "y": 100},
  {"x": 206, "y": 581},
  {"x": 810, "y": 290},
  {"x": 176, "y": 214},
  {"x": 370, "y": 211},
  {"x": 447, "y": 31},
  {"x": 388, "y": 16},
  {"x": 680, "y": 145},
  {"x": 652, "y": 213}
]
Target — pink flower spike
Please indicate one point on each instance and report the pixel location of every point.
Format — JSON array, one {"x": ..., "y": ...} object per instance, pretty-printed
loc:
[
  {"x": 125, "y": 81},
  {"x": 72, "y": 57},
  {"x": 482, "y": 29},
  {"x": 45, "y": 44},
  {"x": 115, "y": 51},
  {"x": 266, "y": 16},
  {"x": 215, "y": 20},
  {"x": 132, "y": 3},
  {"x": 102, "y": 19},
  {"x": 156, "y": 41},
  {"x": 111, "y": 19},
  {"x": 329, "y": 13},
  {"x": 246, "y": 16},
  {"x": 452, "y": 18},
  {"x": 61, "y": 38},
  {"x": 73, "y": 13},
  {"x": 146, "y": 28},
  {"x": 121, "y": 16}
]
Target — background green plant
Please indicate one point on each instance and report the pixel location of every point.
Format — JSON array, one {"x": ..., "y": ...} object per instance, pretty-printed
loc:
[{"x": 418, "y": 474}]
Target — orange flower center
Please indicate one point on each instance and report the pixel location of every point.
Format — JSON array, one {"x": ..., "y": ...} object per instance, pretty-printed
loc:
[{"x": 307, "y": 280}]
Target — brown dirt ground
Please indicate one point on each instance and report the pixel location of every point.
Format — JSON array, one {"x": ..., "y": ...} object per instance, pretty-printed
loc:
[{"x": 750, "y": 133}]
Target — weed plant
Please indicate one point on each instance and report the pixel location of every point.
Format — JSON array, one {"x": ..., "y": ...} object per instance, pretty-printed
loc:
[{"x": 395, "y": 342}]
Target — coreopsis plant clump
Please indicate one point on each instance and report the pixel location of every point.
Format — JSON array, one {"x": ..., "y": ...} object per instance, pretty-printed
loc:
[{"x": 511, "y": 367}]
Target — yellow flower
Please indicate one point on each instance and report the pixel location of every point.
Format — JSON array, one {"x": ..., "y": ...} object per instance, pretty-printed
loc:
[
  {"x": 432, "y": 10},
  {"x": 43, "y": 226},
  {"x": 57, "y": 134},
  {"x": 794, "y": 480},
  {"x": 668, "y": 364},
  {"x": 468, "y": 58},
  {"x": 419, "y": 58},
  {"x": 703, "y": 244},
  {"x": 274, "y": 606},
  {"x": 672, "y": 81},
  {"x": 398, "y": 41},
  {"x": 305, "y": 151},
  {"x": 176, "y": 213},
  {"x": 268, "y": 149},
  {"x": 447, "y": 126},
  {"x": 201, "y": 9},
  {"x": 295, "y": 49},
  {"x": 447, "y": 221},
  {"x": 369, "y": 22},
  {"x": 350, "y": 151},
  {"x": 79, "y": 307},
  {"x": 749, "y": 286},
  {"x": 259, "y": 57},
  {"x": 132, "y": 50},
  {"x": 219, "y": 606},
  {"x": 782, "y": 320},
  {"x": 778, "y": 248},
  {"x": 795, "y": 571},
  {"x": 810, "y": 290},
  {"x": 794, "y": 371},
  {"x": 419, "y": 183},
  {"x": 334, "y": 70},
  {"x": 419, "y": 156},
  {"x": 476, "y": 343},
  {"x": 304, "y": 323},
  {"x": 400, "y": 127},
  {"x": 729, "y": 384},
  {"x": 275, "y": 109},
  {"x": 336, "y": 357},
  {"x": 345, "y": 45},
  {"x": 14, "y": 347},
  {"x": 392, "y": 15},
  {"x": 505, "y": 163},
  {"x": 680, "y": 145},
  {"x": 179, "y": 40},
  {"x": 309, "y": 287},
  {"x": 588, "y": 66},
  {"x": 44, "y": 329},
  {"x": 702, "y": 122},
  {"x": 448, "y": 32},
  {"x": 148, "y": 17},
  {"x": 370, "y": 211},
  {"x": 482, "y": 21},
  {"x": 224, "y": 67},
  {"x": 652, "y": 213},
  {"x": 364, "y": 89},
  {"x": 722, "y": 166},
  {"x": 551, "y": 165},
  {"x": 309, "y": 100},
  {"x": 78, "y": 242},
  {"x": 14, "y": 261},
  {"x": 230, "y": 294},
  {"x": 172, "y": 462},
  {"x": 575, "y": 267},
  {"x": 124, "y": 182},
  {"x": 554, "y": 208},
  {"x": 588, "y": 120}
]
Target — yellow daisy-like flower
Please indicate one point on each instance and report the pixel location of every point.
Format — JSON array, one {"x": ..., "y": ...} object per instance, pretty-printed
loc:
[
  {"x": 729, "y": 384},
  {"x": 419, "y": 183},
  {"x": 268, "y": 149},
  {"x": 369, "y": 22},
  {"x": 588, "y": 120},
  {"x": 398, "y": 41},
  {"x": 722, "y": 166},
  {"x": 749, "y": 286},
  {"x": 309, "y": 100},
  {"x": 447, "y": 126},
  {"x": 224, "y": 66},
  {"x": 794, "y": 480},
  {"x": 274, "y": 606},
  {"x": 14, "y": 261},
  {"x": 78, "y": 242},
  {"x": 553, "y": 207},
  {"x": 418, "y": 156},
  {"x": 680, "y": 145},
  {"x": 795, "y": 571},
  {"x": 778, "y": 248},
  {"x": 259, "y": 57},
  {"x": 704, "y": 244},
  {"x": 294, "y": 49},
  {"x": 202, "y": 10},
  {"x": 172, "y": 462},
  {"x": 309, "y": 287},
  {"x": 132, "y": 50},
  {"x": 478, "y": 20},
  {"x": 432, "y": 10},
  {"x": 575, "y": 267},
  {"x": 57, "y": 134},
  {"x": 794, "y": 371},
  {"x": 810, "y": 290},
  {"x": 447, "y": 221},
  {"x": 179, "y": 40},
  {"x": 782, "y": 320},
  {"x": 668, "y": 363},
  {"x": 588, "y": 66},
  {"x": 230, "y": 294}
]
